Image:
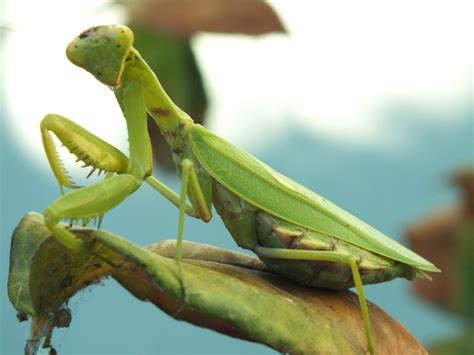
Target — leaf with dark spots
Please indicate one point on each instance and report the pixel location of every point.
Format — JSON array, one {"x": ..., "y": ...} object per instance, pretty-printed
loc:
[
  {"x": 226, "y": 291},
  {"x": 44, "y": 275}
]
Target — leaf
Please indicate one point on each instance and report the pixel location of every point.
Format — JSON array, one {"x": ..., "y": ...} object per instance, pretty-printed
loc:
[
  {"x": 226, "y": 291},
  {"x": 447, "y": 238},
  {"x": 458, "y": 345},
  {"x": 186, "y": 17}
]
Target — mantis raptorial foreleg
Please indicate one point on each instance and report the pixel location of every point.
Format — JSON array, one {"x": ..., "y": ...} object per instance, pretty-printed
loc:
[
  {"x": 92, "y": 201},
  {"x": 88, "y": 202},
  {"x": 95, "y": 200},
  {"x": 87, "y": 147},
  {"x": 291, "y": 254}
]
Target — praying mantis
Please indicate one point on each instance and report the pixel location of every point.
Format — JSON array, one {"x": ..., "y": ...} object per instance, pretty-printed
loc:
[{"x": 296, "y": 232}]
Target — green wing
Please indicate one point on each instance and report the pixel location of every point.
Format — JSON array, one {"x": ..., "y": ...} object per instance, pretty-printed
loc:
[{"x": 273, "y": 192}]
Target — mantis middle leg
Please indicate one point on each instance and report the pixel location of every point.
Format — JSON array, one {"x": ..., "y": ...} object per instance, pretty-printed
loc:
[{"x": 199, "y": 207}]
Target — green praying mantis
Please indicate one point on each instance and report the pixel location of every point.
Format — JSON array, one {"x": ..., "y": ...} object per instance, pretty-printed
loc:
[{"x": 296, "y": 232}]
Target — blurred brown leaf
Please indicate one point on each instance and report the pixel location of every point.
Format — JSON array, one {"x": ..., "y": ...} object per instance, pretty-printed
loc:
[
  {"x": 162, "y": 31},
  {"x": 185, "y": 17},
  {"x": 447, "y": 239}
]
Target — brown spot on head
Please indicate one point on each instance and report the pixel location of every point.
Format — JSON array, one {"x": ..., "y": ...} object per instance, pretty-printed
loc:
[{"x": 87, "y": 32}]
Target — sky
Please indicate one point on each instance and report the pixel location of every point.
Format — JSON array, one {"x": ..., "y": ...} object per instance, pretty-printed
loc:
[{"x": 340, "y": 64}]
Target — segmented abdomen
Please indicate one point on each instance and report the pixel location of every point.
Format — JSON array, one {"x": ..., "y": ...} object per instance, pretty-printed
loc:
[
  {"x": 276, "y": 233},
  {"x": 251, "y": 227}
]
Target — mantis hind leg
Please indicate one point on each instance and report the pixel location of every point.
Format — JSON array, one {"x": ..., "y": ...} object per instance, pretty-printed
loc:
[
  {"x": 291, "y": 254},
  {"x": 89, "y": 202}
]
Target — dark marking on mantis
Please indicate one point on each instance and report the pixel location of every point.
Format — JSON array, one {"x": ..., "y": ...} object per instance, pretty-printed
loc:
[
  {"x": 178, "y": 151},
  {"x": 159, "y": 111},
  {"x": 86, "y": 33}
]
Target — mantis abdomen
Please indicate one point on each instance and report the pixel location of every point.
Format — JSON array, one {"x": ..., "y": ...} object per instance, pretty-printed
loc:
[{"x": 252, "y": 228}]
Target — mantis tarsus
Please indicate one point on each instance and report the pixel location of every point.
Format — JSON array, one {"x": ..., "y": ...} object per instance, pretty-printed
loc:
[{"x": 292, "y": 229}]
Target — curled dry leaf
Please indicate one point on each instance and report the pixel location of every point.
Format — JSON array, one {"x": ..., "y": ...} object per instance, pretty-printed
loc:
[{"x": 229, "y": 292}]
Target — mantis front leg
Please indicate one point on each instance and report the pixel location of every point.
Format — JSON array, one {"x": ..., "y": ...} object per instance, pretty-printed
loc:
[
  {"x": 92, "y": 201},
  {"x": 89, "y": 202},
  {"x": 97, "y": 199},
  {"x": 87, "y": 147},
  {"x": 334, "y": 256}
]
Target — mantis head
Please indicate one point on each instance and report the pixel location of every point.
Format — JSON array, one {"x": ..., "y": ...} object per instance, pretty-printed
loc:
[{"x": 102, "y": 51}]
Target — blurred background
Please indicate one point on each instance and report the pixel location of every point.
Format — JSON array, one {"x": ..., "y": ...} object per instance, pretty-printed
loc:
[{"x": 368, "y": 103}]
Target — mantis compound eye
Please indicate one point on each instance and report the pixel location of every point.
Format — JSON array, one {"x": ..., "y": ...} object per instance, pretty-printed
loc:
[{"x": 102, "y": 51}]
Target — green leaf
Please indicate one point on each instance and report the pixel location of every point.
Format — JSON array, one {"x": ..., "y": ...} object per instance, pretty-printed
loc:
[{"x": 225, "y": 291}]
